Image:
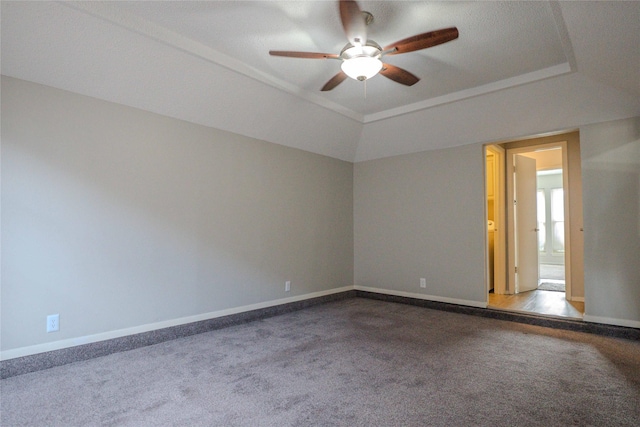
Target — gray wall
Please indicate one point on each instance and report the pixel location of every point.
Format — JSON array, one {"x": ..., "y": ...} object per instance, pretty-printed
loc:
[
  {"x": 114, "y": 217},
  {"x": 611, "y": 185},
  {"x": 422, "y": 216}
]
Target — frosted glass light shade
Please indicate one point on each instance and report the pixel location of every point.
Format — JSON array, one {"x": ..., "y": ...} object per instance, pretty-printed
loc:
[{"x": 361, "y": 67}]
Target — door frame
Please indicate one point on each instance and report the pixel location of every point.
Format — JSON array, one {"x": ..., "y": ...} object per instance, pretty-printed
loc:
[
  {"x": 567, "y": 212},
  {"x": 499, "y": 234}
]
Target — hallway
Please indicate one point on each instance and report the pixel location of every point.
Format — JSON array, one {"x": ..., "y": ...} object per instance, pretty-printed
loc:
[
  {"x": 538, "y": 302},
  {"x": 541, "y": 301}
]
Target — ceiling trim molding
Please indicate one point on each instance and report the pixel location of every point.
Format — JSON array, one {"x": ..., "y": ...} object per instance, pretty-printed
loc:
[
  {"x": 192, "y": 47},
  {"x": 563, "y": 33},
  {"x": 534, "y": 76},
  {"x": 557, "y": 70},
  {"x": 184, "y": 44}
]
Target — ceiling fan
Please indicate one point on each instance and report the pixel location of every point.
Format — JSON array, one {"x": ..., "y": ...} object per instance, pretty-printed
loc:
[{"x": 361, "y": 57}]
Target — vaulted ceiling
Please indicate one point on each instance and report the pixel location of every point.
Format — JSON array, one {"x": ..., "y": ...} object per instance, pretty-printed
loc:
[{"x": 517, "y": 68}]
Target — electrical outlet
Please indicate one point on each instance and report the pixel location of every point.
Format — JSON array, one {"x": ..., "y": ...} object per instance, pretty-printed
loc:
[
  {"x": 423, "y": 282},
  {"x": 287, "y": 286},
  {"x": 53, "y": 323}
]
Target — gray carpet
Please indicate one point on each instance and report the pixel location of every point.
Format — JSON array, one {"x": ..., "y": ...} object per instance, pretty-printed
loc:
[{"x": 355, "y": 362}]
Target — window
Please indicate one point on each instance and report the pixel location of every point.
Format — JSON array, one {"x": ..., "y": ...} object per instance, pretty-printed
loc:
[
  {"x": 557, "y": 220},
  {"x": 550, "y": 218},
  {"x": 542, "y": 221}
]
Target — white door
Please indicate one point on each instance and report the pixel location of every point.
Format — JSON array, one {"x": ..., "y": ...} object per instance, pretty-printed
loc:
[{"x": 526, "y": 224}]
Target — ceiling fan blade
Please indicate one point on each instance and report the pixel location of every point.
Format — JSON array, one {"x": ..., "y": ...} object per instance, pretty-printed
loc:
[
  {"x": 335, "y": 81},
  {"x": 309, "y": 55},
  {"x": 422, "y": 41},
  {"x": 399, "y": 75},
  {"x": 353, "y": 22}
]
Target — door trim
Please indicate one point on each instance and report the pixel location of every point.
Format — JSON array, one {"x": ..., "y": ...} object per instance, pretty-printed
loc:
[{"x": 499, "y": 235}]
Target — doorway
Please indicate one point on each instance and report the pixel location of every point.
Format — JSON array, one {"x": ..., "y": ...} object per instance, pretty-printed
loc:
[{"x": 540, "y": 178}]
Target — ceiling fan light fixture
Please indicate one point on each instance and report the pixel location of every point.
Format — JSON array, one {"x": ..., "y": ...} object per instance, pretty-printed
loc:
[
  {"x": 361, "y": 67},
  {"x": 361, "y": 57}
]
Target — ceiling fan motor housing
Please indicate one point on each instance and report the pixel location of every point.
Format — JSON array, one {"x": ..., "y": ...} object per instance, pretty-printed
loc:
[{"x": 371, "y": 49}]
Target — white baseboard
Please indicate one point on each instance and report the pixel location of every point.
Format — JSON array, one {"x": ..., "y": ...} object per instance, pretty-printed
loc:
[
  {"x": 612, "y": 321},
  {"x": 423, "y": 296},
  {"x": 73, "y": 342}
]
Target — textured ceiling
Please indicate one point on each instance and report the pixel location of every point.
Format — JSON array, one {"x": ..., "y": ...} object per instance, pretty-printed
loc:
[
  {"x": 208, "y": 62},
  {"x": 486, "y": 52}
]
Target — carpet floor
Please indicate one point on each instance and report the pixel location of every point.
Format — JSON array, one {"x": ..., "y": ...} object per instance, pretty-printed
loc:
[{"x": 354, "y": 362}]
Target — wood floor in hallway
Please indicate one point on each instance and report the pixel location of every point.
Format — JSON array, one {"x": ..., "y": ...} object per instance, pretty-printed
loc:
[{"x": 539, "y": 302}]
